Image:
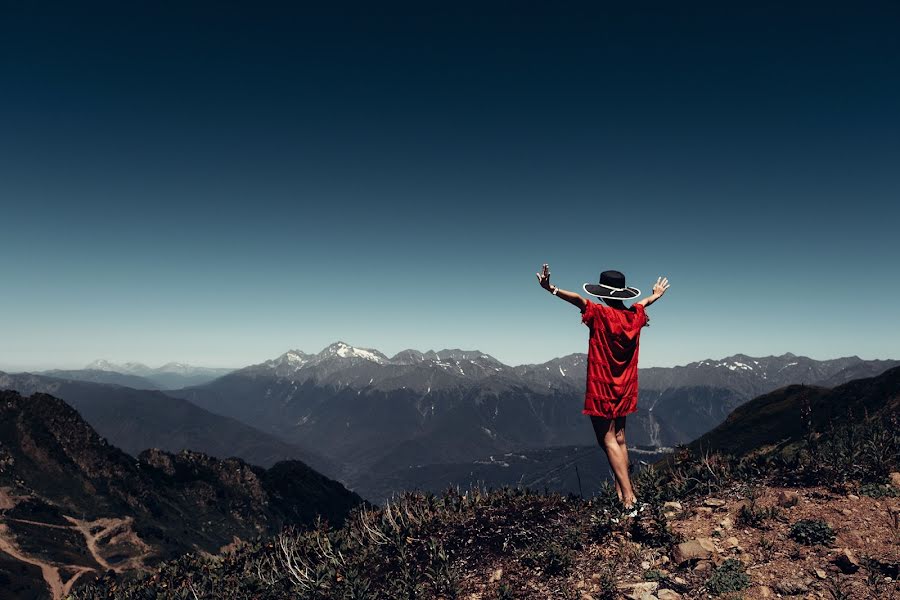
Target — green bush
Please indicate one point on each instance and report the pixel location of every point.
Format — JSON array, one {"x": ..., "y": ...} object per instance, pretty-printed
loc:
[
  {"x": 812, "y": 532},
  {"x": 875, "y": 490},
  {"x": 728, "y": 577}
]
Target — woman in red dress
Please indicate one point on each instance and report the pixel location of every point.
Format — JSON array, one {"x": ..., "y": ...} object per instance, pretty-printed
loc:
[{"x": 611, "y": 389}]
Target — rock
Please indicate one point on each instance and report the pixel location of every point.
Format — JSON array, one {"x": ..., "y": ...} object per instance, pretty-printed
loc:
[
  {"x": 666, "y": 594},
  {"x": 704, "y": 509},
  {"x": 645, "y": 565},
  {"x": 765, "y": 591},
  {"x": 847, "y": 561},
  {"x": 713, "y": 502},
  {"x": 790, "y": 587},
  {"x": 895, "y": 479},
  {"x": 727, "y": 523},
  {"x": 676, "y": 506},
  {"x": 696, "y": 549},
  {"x": 586, "y": 596},
  {"x": 703, "y": 566},
  {"x": 639, "y": 591},
  {"x": 680, "y": 580},
  {"x": 496, "y": 575},
  {"x": 786, "y": 499},
  {"x": 731, "y": 542},
  {"x": 846, "y": 512},
  {"x": 820, "y": 574},
  {"x": 852, "y": 496}
]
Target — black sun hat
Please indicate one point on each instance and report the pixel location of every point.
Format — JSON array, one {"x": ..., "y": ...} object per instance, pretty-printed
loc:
[{"x": 612, "y": 286}]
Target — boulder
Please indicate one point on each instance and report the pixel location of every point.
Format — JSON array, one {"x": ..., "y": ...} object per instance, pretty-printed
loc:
[
  {"x": 696, "y": 549},
  {"x": 895, "y": 479},
  {"x": 714, "y": 502},
  {"x": 666, "y": 594},
  {"x": 639, "y": 591}
]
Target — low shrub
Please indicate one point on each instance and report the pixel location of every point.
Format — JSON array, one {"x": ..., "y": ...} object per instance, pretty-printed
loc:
[
  {"x": 812, "y": 532},
  {"x": 728, "y": 577}
]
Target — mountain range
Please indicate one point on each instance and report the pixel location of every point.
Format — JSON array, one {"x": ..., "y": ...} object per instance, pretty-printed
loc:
[
  {"x": 379, "y": 416},
  {"x": 73, "y": 506},
  {"x": 169, "y": 376},
  {"x": 379, "y": 424}
]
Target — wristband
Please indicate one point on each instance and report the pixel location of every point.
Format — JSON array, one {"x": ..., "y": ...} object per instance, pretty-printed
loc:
[{"x": 555, "y": 289}]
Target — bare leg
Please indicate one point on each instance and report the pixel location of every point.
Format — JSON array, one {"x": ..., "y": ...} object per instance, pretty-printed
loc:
[
  {"x": 620, "y": 439},
  {"x": 605, "y": 430}
]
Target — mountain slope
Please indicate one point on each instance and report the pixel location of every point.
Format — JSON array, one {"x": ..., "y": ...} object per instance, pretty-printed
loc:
[
  {"x": 780, "y": 417},
  {"x": 137, "y": 419},
  {"x": 75, "y": 505}
]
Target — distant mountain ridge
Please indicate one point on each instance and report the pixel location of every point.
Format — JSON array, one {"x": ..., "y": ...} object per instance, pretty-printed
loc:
[{"x": 171, "y": 375}]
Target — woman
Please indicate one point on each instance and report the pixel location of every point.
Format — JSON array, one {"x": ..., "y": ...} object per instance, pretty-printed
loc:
[{"x": 611, "y": 389}]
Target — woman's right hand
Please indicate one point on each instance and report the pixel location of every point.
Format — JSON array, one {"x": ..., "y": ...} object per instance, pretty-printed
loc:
[
  {"x": 660, "y": 287},
  {"x": 544, "y": 277}
]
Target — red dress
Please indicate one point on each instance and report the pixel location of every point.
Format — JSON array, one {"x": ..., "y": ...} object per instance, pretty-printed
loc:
[{"x": 612, "y": 379}]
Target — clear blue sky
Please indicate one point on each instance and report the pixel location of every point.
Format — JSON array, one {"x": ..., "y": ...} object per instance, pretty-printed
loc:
[{"x": 218, "y": 182}]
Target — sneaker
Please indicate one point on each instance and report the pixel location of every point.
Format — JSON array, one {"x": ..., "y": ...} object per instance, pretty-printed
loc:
[{"x": 636, "y": 508}]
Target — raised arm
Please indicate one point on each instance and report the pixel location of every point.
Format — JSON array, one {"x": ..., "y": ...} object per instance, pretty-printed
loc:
[
  {"x": 571, "y": 297},
  {"x": 659, "y": 288}
]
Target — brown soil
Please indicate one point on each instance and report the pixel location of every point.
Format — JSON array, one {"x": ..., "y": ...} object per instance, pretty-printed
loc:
[{"x": 777, "y": 565}]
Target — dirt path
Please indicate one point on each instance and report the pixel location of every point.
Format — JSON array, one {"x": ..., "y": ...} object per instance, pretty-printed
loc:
[
  {"x": 117, "y": 530},
  {"x": 39, "y": 524},
  {"x": 48, "y": 571},
  {"x": 110, "y": 530}
]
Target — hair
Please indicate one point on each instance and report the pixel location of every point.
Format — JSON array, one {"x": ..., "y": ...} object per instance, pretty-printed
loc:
[{"x": 614, "y": 303}]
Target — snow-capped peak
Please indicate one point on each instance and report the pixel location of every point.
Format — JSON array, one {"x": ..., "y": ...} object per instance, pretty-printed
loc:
[
  {"x": 131, "y": 368},
  {"x": 343, "y": 350},
  {"x": 101, "y": 365}
]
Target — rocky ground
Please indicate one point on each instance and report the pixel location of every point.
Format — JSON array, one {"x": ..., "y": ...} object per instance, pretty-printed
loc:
[{"x": 861, "y": 561}]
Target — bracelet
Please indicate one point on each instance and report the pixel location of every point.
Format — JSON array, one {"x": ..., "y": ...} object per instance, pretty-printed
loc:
[{"x": 554, "y": 290}]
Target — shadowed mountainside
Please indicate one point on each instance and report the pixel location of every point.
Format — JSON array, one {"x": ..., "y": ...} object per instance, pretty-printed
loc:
[
  {"x": 137, "y": 419},
  {"x": 73, "y": 505},
  {"x": 785, "y": 416}
]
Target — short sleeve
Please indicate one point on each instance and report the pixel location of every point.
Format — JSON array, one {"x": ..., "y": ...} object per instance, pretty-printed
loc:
[
  {"x": 587, "y": 314},
  {"x": 643, "y": 318}
]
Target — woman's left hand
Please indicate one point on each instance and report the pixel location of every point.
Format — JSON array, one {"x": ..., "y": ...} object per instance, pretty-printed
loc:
[{"x": 544, "y": 277}]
